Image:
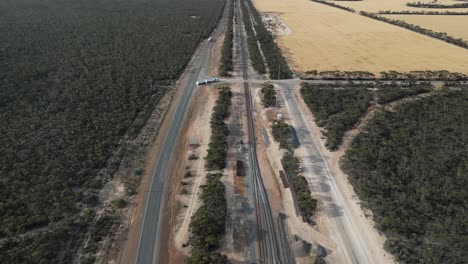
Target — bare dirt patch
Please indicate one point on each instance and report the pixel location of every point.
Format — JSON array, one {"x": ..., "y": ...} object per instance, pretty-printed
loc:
[
  {"x": 275, "y": 25},
  {"x": 198, "y": 133},
  {"x": 215, "y": 56}
]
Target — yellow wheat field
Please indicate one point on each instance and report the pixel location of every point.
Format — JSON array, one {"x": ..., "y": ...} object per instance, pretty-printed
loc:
[
  {"x": 327, "y": 38},
  {"x": 455, "y": 26},
  {"x": 397, "y": 5}
]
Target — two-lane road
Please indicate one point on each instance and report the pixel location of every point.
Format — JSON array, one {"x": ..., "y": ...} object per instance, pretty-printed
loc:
[{"x": 149, "y": 244}]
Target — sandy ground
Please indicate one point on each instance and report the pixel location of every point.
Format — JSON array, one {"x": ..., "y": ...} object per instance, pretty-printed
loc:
[
  {"x": 362, "y": 217},
  {"x": 327, "y": 38},
  {"x": 270, "y": 156},
  {"x": 215, "y": 57},
  {"x": 238, "y": 242},
  {"x": 199, "y": 130},
  {"x": 455, "y": 26},
  {"x": 398, "y": 5},
  {"x": 274, "y": 23}
]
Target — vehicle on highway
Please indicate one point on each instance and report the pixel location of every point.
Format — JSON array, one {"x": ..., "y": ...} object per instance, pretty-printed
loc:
[{"x": 207, "y": 81}]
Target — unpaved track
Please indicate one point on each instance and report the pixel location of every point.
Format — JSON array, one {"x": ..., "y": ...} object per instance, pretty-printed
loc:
[{"x": 356, "y": 239}]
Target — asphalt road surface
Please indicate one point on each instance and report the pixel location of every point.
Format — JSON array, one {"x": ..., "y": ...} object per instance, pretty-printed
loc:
[
  {"x": 149, "y": 244},
  {"x": 352, "y": 245}
]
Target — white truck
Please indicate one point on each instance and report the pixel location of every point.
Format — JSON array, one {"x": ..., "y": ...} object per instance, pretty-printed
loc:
[{"x": 207, "y": 81}]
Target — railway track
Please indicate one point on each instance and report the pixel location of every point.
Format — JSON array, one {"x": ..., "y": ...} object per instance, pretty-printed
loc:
[{"x": 273, "y": 246}]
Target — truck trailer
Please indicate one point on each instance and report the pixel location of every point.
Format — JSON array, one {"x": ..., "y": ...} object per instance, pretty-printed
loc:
[{"x": 207, "y": 81}]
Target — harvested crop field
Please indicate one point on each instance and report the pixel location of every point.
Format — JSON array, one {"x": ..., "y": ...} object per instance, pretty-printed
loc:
[
  {"x": 327, "y": 38},
  {"x": 398, "y": 5},
  {"x": 455, "y": 26}
]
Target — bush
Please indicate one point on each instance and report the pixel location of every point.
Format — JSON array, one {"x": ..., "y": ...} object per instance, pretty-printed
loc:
[
  {"x": 226, "y": 53},
  {"x": 119, "y": 203},
  {"x": 269, "y": 95},
  {"x": 336, "y": 109},
  {"x": 282, "y": 133}
]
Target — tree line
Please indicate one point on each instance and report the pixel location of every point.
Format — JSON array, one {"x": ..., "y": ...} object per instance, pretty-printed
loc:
[
  {"x": 216, "y": 157},
  {"x": 254, "y": 50},
  {"x": 436, "y": 5},
  {"x": 277, "y": 64},
  {"x": 407, "y": 12},
  {"x": 329, "y": 3},
  {"x": 226, "y": 53},
  {"x": 207, "y": 225},
  {"x": 410, "y": 167},
  {"x": 283, "y": 134},
  {"x": 301, "y": 189},
  {"x": 78, "y": 79},
  {"x": 442, "y": 75},
  {"x": 434, "y": 34}
]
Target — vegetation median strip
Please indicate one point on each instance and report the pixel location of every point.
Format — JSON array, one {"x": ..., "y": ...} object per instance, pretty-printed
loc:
[
  {"x": 277, "y": 64},
  {"x": 216, "y": 158},
  {"x": 207, "y": 225},
  {"x": 254, "y": 53},
  {"x": 302, "y": 195},
  {"x": 226, "y": 54}
]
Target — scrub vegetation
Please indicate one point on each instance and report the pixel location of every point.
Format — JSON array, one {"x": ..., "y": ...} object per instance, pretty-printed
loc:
[
  {"x": 269, "y": 95},
  {"x": 208, "y": 223},
  {"x": 336, "y": 109},
  {"x": 77, "y": 80},
  {"x": 410, "y": 167},
  {"x": 226, "y": 53},
  {"x": 216, "y": 158}
]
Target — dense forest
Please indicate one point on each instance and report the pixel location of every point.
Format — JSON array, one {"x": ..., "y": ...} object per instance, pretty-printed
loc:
[
  {"x": 77, "y": 79},
  {"x": 410, "y": 167},
  {"x": 336, "y": 109},
  {"x": 389, "y": 94},
  {"x": 226, "y": 53},
  {"x": 277, "y": 64}
]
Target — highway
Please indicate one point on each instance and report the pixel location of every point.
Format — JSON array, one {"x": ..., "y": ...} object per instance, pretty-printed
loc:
[
  {"x": 271, "y": 241},
  {"x": 149, "y": 244}
]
